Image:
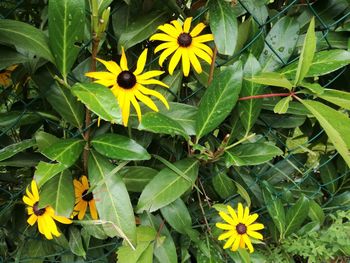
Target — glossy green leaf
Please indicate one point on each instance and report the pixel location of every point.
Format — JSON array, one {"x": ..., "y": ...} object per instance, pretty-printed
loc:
[
  {"x": 66, "y": 151},
  {"x": 15, "y": 148},
  {"x": 243, "y": 193},
  {"x": 99, "y": 100},
  {"x": 335, "y": 124},
  {"x": 251, "y": 154},
  {"x": 295, "y": 108},
  {"x": 137, "y": 177},
  {"x": 141, "y": 29},
  {"x": 282, "y": 106},
  {"x": 177, "y": 216},
  {"x": 316, "y": 212},
  {"x": 114, "y": 209},
  {"x": 272, "y": 79},
  {"x": 18, "y": 118},
  {"x": 25, "y": 37},
  {"x": 45, "y": 140},
  {"x": 296, "y": 215},
  {"x": 174, "y": 82},
  {"x": 159, "y": 123},
  {"x": 62, "y": 100},
  {"x": 337, "y": 97},
  {"x": 313, "y": 87},
  {"x": 75, "y": 242},
  {"x": 324, "y": 62},
  {"x": 58, "y": 192},
  {"x": 9, "y": 57},
  {"x": 66, "y": 27},
  {"x": 45, "y": 171},
  {"x": 307, "y": 53},
  {"x": 328, "y": 175},
  {"x": 219, "y": 99},
  {"x": 250, "y": 109},
  {"x": 258, "y": 9},
  {"x": 223, "y": 185},
  {"x": 339, "y": 201},
  {"x": 167, "y": 186},
  {"x": 116, "y": 146},
  {"x": 280, "y": 44},
  {"x": 223, "y": 24}
]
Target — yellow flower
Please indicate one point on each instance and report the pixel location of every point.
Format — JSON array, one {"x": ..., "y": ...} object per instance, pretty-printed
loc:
[
  {"x": 239, "y": 228},
  {"x": 186, "y": 45},
  {"x": 5, "y": 76},
  {"x": 129, "y": 86},
  {"x": 44, "y": 216},
  {"x": 83, "y": 199}
]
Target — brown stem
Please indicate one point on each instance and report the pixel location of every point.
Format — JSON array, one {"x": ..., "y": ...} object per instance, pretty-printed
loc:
[
  {"x": 267, "y": 96},
  {"x": 94, "y": 51},
  {"x": 212, "y": 66},
  {"x": 202, "y": 209}
]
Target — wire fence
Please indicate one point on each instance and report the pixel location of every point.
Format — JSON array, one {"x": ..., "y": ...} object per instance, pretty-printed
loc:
[{"x": 299, "y": 175}]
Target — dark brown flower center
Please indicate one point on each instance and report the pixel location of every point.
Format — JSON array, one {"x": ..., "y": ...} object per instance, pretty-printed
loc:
[
  {"x": 87, "y": 196},
  {"x": 184, "y": 40},
  {"x": 241, "y": 228},
  {"x": 126, "y": 79},
  {"x": 37, "y": 211}
]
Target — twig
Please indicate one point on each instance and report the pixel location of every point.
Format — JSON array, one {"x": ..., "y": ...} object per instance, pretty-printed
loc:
[
  {"x": 212, "y": 66},
  {"x": 267, "y": 96},
  {"x": 203, "y": 213}
]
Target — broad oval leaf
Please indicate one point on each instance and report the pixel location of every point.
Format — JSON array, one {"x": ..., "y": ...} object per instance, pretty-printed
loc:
[
  {"x": 219, "y": 99},
  {"x": 296, "y": 215},
  {"x": 66, "y": 27},
  {"x": 98, "y": 99},
  {"x": 137, "y": 177},
  {"x": 168, "y": 185},
  {"x": 113, "y": 201},
  {"x": 58, "y": 192},
  {"x": 116, "y": 146},
  {"x": 15, "y": 148},
  {"x": 328, "y": 175},
  {"x": 316, "y": 212},
  {"x": 9, "y": 57},
  {"x": 45, "y": 140},
  {"x": 251, "y": 154},
  {"x": 223, "y": 24},
  {"x": 75, "y": 242},
  {"x": 223, "y": 185},
  {"x": 45, "y": 171},
  {"x": 272, "y": 79},
  {"x": 25, "y": 37},
  {"x": 337, "y": 97},
  {"x": 282, "y": 106}
]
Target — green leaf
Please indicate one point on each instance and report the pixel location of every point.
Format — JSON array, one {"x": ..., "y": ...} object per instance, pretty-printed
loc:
[
  {"x": 324, "y": 62},
  {"x": 274, "y": 207},
  {"x": 282, "y": 106},
  {"x": 295, "y": 108},
  {"x": 272, "y": 79},
  {"x": 250, "y": 109},
  {"x": 339, "y": 201},
  {"x": 328, "y": 174},
  {"x": 45, "y": 171},
  {"x": 58, "y": 192},
  {"x": 15, "y": 148},
  {"x": 66, "y": 27},
  {"x": 9, "y": 57},
  {"x": 115, "y": 210},
  {"x": 116, "y": 146},
  {"x": 313, "y": 87},
  {"x": 137, "y": 177},
  {"x": 141, "y": 29},
  {"x": 243, "y": 193},
  {"x": 223, "y": 24},
  {"x": 219, "y": 99},
  {"x": 223, "y": 185},
  {"x": 75, "y": 242},
  {"x": 98, "y": 99},
  {"x": 174, "y": 82},
  {"x": 307, "y": 53},
  {"x": 62, "y": 100},
  {"x": 335, "y": 124},
  {"x": 45, "y": 140},
  {"x": 159, "y": 123},
  {"x": 316, "y": 212},
  {"x": 15, "y": 119},
  {"x": 26, "y": 37},
  {"x": 251, "y": 154},
  {"x": 279, "y": 44},
  {"x": 66, "y": 151},
  {"x": 296, "y": 215},
  {"x": 177, "y": 216},
  {"x": 167, "y": 186},
  {"x": 337, "y": 97}
]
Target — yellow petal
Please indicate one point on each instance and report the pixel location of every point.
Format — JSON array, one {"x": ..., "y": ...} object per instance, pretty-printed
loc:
[
  {"x": 147, "y": 101},
  {"x": 79, "y": 205},
  {"x": 177, "y": 26},
  {"x": 85, "y": 182},
  {"x": 121, "y": 95},
  {"x": 240, "y": 212},
  {"x": 226, "y": 235},
  {"x": 204, "y": 38},
  {"x": 224, "y": 226},
  {"x": 169, "y": 29},
  {"x": 163, "y": 37},
  {"x": 149, "y": 74},
  {"x": 246, "y": 215},
  {"x": 187, "y": 24},
  {"x": 141, "y": 62},
  {"x": 185, "y": 62},
  {"x": 203, "y": 47},
  {"x": 35, "y": 191},
  {"x": 123, "y": 61},
  {"x": 45, "y": 227},
  {"x": 230, "y": 240},
  {"x": 233, "y": 214},
  {"x": 197, "y": 30},
  {"x": 153, "y": 81},
  {"x": 28, "y": 201},
  {"x": 251, "y": 219},
  {"x": 110, "y": 66},
  {"x": 175, "y": 60},
  {"x": 165, "y": 45},
  {"x": 41, "y": 225},
  {"x": 101, "y": 75},
  {"x": 52, "y": 226},
  {"x": 82, "y": 211},
  {"x": 236, "y": 243},
  {"x": 154, "y": 93},
  {"x": 203, "y": 55},
  {"x": 254, "y": 234},
  {"x": 248, "y": 243},
  {"x": 30, "y": 210},
  {"x": 194, "y": 61},
  {"x": 93, "y": 210},
  {"x": 32, "y": 219},
  {"x": 166, "y": 53},
  {"x": 242, "y": 242},
  {"x": 78, "y": 186},
  {"x": 126, "y": 109},
  {"x": 62, "y": 219},
  {"x": 29, "y": 194},
  {"x": 105, "y": 82},
  {"x": 227, "y": 218},
  {"x": 256, "y": 226},
  {"x": 136, "y": 106}
]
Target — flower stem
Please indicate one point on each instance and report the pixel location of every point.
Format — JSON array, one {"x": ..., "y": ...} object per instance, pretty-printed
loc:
[{"x": 212, "y": 66}]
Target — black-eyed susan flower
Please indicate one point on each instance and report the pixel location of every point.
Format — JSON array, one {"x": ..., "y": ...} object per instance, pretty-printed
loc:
[
  {"x": 239, "y": 228},
  {"x": 44, "y": 216},
  {"x": 5, "y": 76},
  {"x": 83, "y": 199},
  {"x": 128, "y": 87},
  {"x": 186, "y": 45}
]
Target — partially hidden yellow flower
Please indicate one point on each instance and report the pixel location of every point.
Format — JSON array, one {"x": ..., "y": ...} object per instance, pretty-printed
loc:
[
  {"x": 5, "y": 76},
  {"x": 44, "y": 216},
  {"x": 83, "y": 199},
  {"x": 186, "y": 45},
  {"x": 239, "y": 228},
  {"x": 128, "y": 86}
]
